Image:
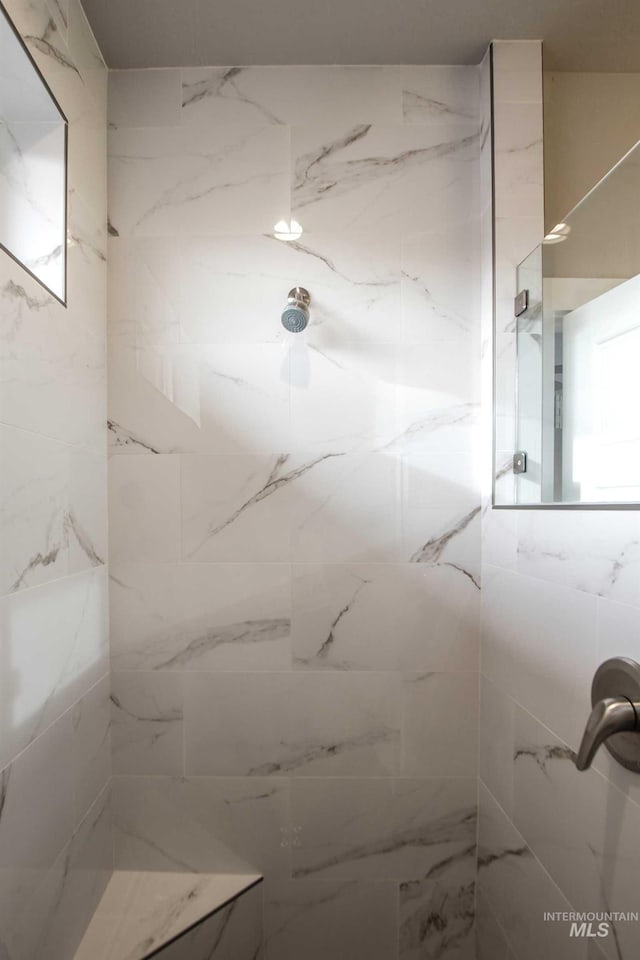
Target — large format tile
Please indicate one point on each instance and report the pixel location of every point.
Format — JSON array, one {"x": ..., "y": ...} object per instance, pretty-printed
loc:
[
  {"x": 202, "y": 824},
  {"x": 370, "y": 177},
  {"x": 440, "y": 725},
  {"x": 490, "y": 940},
  {"x": 384, "y": 617},
  {"x": 147, "y": 714},
  {"x": 232, "y": 933},
  {"x": 169, "y": 181},
  {"x": 206, "y": 616},
  {"x": 266, "y": 724},
  {"x": 54, "y": 648},
  {"x": 179, "y": 915},
  {"x": 348, "y": 509},
  {"x": 266, "y": 96},
  {"x": 539, "y": 647},
  {"x": 69, "y": 894},
  {"x": 437, "y": 914},
  {"x": 583, "y": 829},
  {"x": 226, "y": 398},
  {"x": 435, "y": 95},
  {"x": 144, "y": 508},
  {"x": 52, "y": 509},
  {"x": 344, "y": 920},
  {"x": 52, "y": 364},
  {"x": 36, "y": 823},
  {"x": 519, "y": 891},
  {"x": 91, "y": 721},
  {"x": 439, "y": 285},
  {"x": 381, "y": 829}
]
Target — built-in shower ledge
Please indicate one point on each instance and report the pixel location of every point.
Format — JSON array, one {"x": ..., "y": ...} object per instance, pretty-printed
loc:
[{"x": 143, "y": 912}]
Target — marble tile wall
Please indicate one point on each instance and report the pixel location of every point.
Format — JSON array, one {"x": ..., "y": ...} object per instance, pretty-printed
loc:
[
  {"x": 295, "y": 526},
  {"x": 561, "y": 593},
  {"x": 55, "y": 813}
]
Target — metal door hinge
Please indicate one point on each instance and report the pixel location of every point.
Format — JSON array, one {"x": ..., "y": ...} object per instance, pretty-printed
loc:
[
  {"x": 520, "y": 462},
  {"x": 521, "y": 303}
]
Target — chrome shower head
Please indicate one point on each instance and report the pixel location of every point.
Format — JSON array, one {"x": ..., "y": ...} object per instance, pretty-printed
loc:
[{"x": 295, "y": 315}]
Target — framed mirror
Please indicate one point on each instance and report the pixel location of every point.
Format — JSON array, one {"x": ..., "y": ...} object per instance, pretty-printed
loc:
[
  {"x": 33, "y": 166},
  {"x": 567, "y": 375}
]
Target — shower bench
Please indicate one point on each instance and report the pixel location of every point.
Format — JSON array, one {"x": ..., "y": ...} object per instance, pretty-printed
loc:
[{"x": 176, "y": 916}]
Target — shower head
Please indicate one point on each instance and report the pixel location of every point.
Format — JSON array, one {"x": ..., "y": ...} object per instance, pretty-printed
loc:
[{"x": 295, "y": 315}]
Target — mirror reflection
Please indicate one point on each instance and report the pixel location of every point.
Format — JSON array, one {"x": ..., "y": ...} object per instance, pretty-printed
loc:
[
  {"x": 573, "y": 412},
  {"x": 33, "y": 134}
]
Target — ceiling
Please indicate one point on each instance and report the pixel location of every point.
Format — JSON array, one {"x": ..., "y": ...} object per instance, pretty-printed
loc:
[{"x": 579, "y": 35}]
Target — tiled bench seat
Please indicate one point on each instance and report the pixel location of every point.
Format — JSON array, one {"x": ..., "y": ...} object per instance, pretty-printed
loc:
[{"x": 176, "y": 916}]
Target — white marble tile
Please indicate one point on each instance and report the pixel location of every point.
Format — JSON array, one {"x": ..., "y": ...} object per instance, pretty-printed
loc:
[
  {"x": 346, "y": 508},
  {"x": 144, "y": 508},
  {"x": 497, "y": 742},
  {"x": 384, "y": 617},
  {"x": 439, "y": 285},
  {"x": 201, "y": 617},
  {"x": 226, "y": 398},
  {"x": 277, "y": 724},
  {"x": 381, "y": 829},
  {"x": 87, "y": 279},
  {"x": 439, "y": 725},
  {"x": 329, "y": 918},
  {"x": 437, "y": 914},
  {"x": 141, "y": 912},
  {"x": 233, "y": 933},
  {"x": 52, "y": 367},
  {"x": 618, "y": 630},
  {"x": 86, "y": 55},
  {"x": 598, "y": 554},
  {"x": 91, "y": 722},
  {"x": 54, "y": 648},
  {"x": 203, "y": 824},
  {"x": 167, "y": 181},
  {"x": 364, "y": 177},
  {"x": 583, "y": 830},
  {"x": 490, "y": 940},
  {"x": 238, "y": 507},
  {"x": 539, "y": 646},
  {"x": 147, "y": 716},
  {"x": 51, "y": 510},
  {"x": 518, "y": 890},
  {"x": 439, "y": 399},
  {"x": 234, "y": 288},
  {"x": 266, "y": 96},
  {"x": 355, "y": 283},
  {"x": 86, "y": 518},
  {"x": 518, "y": 159},
  {"x": 500, "y": 537},
  {"x": 517, "y": 71},
  {"x": 441, "y": 508},
  {"x": 36, "y": 822},
  {"x": 350, "y": 404},
  {"x": 145, "y": 290},
  {"x": 66, "y": 900},
  {"x": 434, "y": 95},
  {"x": 448, "y": 537},
  {"x": 145, "y": 98}
]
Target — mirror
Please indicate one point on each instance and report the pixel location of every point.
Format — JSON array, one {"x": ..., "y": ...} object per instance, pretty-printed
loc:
[
  {"x": 567, "y": 380},
  {"x": 33, "y": 162}
]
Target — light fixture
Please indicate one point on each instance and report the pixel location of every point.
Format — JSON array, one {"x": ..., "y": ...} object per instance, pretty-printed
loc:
[
  {"x": 287, "y": 230},
  {"x": 559, "y": 233}
]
